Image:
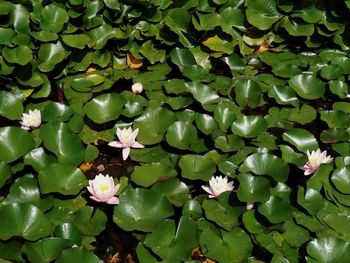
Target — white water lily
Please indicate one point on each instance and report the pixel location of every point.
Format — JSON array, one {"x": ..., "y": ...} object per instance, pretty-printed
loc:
[
  {"x": 315, "y": 159},
  {"x": 249, "y": 205},
  {"x": 218, "y": 185},
  {"x": 137, "y": 88},
  {"x": 31, "y": 120},
  {"x": 103, "y": 189},
  {"x": 127, "y": 140}
]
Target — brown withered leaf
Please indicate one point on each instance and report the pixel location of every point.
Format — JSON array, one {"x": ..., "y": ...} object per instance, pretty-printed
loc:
[{"x": 133, "y": 62}]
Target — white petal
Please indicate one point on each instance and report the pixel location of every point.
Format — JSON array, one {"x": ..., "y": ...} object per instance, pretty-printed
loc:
[
  {"x": 126, "y": 152},
  {"x": 137, "y": 145},
  {"x": 116, "y": 144}
]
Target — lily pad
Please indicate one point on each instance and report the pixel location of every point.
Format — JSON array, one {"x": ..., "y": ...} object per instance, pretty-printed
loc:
[
  {"x": 307, "y": 86},
  {"x": 151, "y": 129},
  {"x": 266, "y": 164},
  {"x": 147, "y": 174},
  {"x": 14, "y": 143},
  {"x": 197, "y": 167},
  {"x": 104, "y": 108},
  {"x": 23, "y": 220},
  {"x": 141, "y": 209}
]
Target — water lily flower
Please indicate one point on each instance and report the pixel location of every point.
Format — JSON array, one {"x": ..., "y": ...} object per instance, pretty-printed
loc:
[
  {"x": 137, "y": 88},
  {"x": 249, "y": 205},
  {"x": 218, "y": 185},
  {"x": 31, "y": 120},
  {"x": 103, "y": 189},
  {"x": 315, "y": 159},
  {"x": 127, "y": 140}
]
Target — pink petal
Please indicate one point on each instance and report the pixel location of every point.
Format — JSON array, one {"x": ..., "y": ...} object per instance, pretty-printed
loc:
[
  {"x": 209, "y": 191},
  {"x": 137, "y": 145},
  {"x": 126, "y": 152},
  {"x": 116, "y": 144},
  {"x": 91, "y": 190},
  {"x": 95, "y": 198},
  {"x": 113, "y": 200}
]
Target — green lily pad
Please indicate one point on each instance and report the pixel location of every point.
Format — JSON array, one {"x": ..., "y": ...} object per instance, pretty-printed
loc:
[
  {"x": 14, "y": 143},
  {"x": 302, "y": 139},
  {"x": 21, "y": 55},
  {"x": 253, "y": 188},
  {"x": 23, "y": 220},
  {"x": 276, "y": 210},
  {"x": 192, "y": 208},
  {"x": 104, "y": 108},
  {"x": 249, "y": 126},
  {"x": 55, "y": 111},
  {"x": 266, "y": 164},
  {"x": 328, "y": 249},
  {"x": 10, "y": 250},
  {"x": 11, "y": 106},
  {"x": 224, "y": 115},
  {"x": 307, "y": 86},
  {"x": 61, "y": 140},
  {"x": 44, "y": 250},
  {"x": 173, "y": 243},
  {"x": 205, "y": 123},
  {"x": 141, "y": 209},
  {"x": 181, "y": 135},
  {"x": 90, "y": 222},
  {"x": 5, "y": 173},
  {"x": 222, "y": 213},
  {"x": 78, "y": 255},
  {"x": 197, "y": 167},
  {"x": 341, "y": 179},
  {"x": 38, "y": 159},
  {"x": 151, "y": 129},
  {"x": 77, "y": 40},
  {"x": 235, "y": 246},
  {"x": 248, "y": 93},
  {"x": 262, "y": 13},
  {"x": 69, "y": 232},
  {"x": 229, "y": 143},
  {"x": 53, "y": 18},
  {"x": 147, "y": 174},
  {"x": 50, "y": 55},
  {"x": 64, "y": 179},
  {"x": 25, "y": 190},
  {"x": 176, "y": 191}
]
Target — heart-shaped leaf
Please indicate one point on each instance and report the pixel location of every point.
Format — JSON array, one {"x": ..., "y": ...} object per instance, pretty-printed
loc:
[
  {"x": 181, "y": 135},
  {"x": 11, "y": 106},
  {"x": 197, "y": 167},
  {"x": 141, "y": 209},
  {"x": 266, "y": 164},
  {"x": 104, "y": 108},
  {"x": 151, "y": 129},
  {"x": 23, "y": 220},
  {"x": 64, "y": 179},
  {"x": 61, "y": 140},
  {"x": 307, "y": 86},
  {"x": 148, "y": 174},
  {"x": 14, "y": 143}
]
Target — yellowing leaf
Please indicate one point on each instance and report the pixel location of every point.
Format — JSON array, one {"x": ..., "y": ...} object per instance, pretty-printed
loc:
[{"x": 133, "y": 62}]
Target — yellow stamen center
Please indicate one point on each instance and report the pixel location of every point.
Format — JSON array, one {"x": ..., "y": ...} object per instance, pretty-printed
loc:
[
  {"x": 126, "y": 137},
  {"x": 313, "y": 161},
  {"x": 104, "y": 187}
]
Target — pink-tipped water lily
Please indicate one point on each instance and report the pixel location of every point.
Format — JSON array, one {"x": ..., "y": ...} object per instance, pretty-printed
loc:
[
  {"x": 127, "y": 140},
  {"x": 31, "y": 120},
  {"x": 315, "y": 159},
  {"x": 103, "y": 189},
  {"x": 218, "y": 185},
  {"x": 137, "y": 88}
]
